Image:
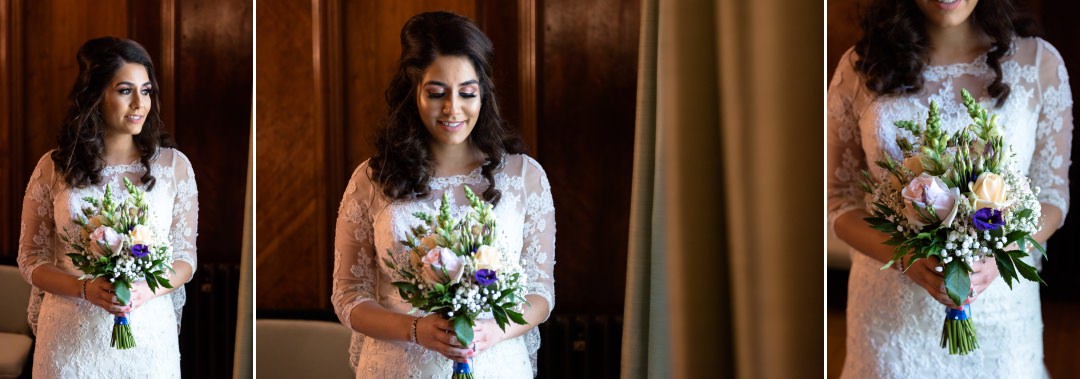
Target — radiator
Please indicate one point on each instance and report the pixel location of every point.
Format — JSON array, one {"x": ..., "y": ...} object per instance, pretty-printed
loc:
[
  {"x": 580, "y": 346},
  {"x": 208, "y": 331}
]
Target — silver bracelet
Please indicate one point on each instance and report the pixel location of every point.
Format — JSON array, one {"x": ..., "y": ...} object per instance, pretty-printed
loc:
[
  {"x": 412, "y": 336},
  {"x": 83, "y": 293}
]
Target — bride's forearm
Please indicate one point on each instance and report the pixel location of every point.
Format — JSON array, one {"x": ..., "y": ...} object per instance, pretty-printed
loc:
[
  {"x": 181, "y": 275},
  {"x": 1051, "y": 220},
  {"x": 375, "y": 321},
  {"x": 856, "y": 232},
  {"x": 534, "y": 313},
  {"x": 51, "y": 279}
]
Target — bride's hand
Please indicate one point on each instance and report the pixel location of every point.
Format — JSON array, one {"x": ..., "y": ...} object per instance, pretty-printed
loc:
[
  {"x": 984, "y": 271},
  {"x": 486, "y": 334},
  {"x": 434, "y": 333},
  {"x": 140, "y": 294},
  {"x": 924, "y": 273},
  {"x": 100, "y": 292}
]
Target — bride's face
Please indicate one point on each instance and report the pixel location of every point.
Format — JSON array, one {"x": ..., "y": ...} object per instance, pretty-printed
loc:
[
  {"x": 126, "y": 101},
  {"x": 946, "y": 13},
  {"x": 449, "y": 99}
]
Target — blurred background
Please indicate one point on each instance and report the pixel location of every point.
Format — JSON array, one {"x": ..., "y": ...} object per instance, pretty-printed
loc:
[
  {"x": 1060, "y": 298},
  {"x": 202, "y": 52}
]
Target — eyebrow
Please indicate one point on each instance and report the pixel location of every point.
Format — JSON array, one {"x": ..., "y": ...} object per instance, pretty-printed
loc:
[
  {"x": 130, "y": 84},
  {"x": 438, "y": 83}
]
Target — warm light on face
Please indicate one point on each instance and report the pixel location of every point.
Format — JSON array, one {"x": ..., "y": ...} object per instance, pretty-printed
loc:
[
  {"x": 448, "y": 98},
  {"x": 126, "y": 101}
]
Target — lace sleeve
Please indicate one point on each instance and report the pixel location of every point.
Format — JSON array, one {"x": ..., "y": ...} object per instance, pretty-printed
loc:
[
  {"x": 355, "y": 270},
  {"x": 1053, "y": 139},
  {"x": 185, "y": 212},
  {"x": 845, "y": 157},
  {"x": 38, "y": 230},
  {"x": 538, "y": 250}
]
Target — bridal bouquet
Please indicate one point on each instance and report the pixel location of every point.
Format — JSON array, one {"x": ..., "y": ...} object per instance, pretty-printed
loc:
[
  {"x": 113, "y": 242},
  {"x": 958, "y": 198},
  {"x": 450, "y": 267}
]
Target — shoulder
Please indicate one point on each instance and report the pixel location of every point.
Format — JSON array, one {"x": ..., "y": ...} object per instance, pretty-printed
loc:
[
  {"x": 360, "y": 184},
  {"x": 522, "y": 164},
  {"x": 1036, "y": 50},
  {"x": 45, "y": 169},
  {"x": 172, "y": 157},
  {"x": 845, "y": 74}
]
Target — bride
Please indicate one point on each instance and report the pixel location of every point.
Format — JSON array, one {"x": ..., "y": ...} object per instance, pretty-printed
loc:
[
  {"x": 443, "y": 132},
  {"x": 112, "y": 131},
  {"x": 912, "y": 53}
]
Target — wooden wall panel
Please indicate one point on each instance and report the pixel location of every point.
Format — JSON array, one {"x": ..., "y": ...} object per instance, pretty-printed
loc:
[
  {"x": 290, "y": 252},
  {"x": 587, "y": 101},
  {"x": 213, "y": 117},
  {"x": 8, "y": 233}
]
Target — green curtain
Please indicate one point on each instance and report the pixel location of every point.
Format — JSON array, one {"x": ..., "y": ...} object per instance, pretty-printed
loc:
[
  {"x": 242, "y": 355},
  {"x": 724, "y": 272}
]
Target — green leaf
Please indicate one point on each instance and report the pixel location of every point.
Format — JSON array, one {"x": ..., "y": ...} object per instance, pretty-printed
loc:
[
  {"x": 123, "y": 292},
  {"x": 500, "y": 317},
  {"x": 463, "y": 329},
  {"x": 887, "y": 228},
  {"x": 957, "y": 282},
  {"x": 1006, "y": 268},
  {"x": 1028, "y": 272},
  {"x": 1037, "y": 245},
  {"x": 517, "y": 317},
  {"x": 162, "y": 281},
  {"x": 1024, "y": 213}
]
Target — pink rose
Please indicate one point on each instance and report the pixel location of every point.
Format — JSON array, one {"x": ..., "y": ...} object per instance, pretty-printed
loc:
[
  {"x": 926, "y": 192},
  {"x": 442, "y": 266},
  {"x": 106, "y": 241}
]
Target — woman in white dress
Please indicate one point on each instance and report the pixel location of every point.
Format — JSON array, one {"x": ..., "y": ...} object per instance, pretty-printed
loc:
[
  {"x": 912, "y": 53},
  {"x": 443, "y": 132},
  {"x": 112, "y": 131}
]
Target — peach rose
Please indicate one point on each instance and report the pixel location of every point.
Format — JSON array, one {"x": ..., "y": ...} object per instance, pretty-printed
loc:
[{"x": 990, "y": 191}]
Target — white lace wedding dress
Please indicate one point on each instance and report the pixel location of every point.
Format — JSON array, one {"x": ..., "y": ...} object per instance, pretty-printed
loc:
[
  {"x": 368, "y": 227},
  {"x": 893, "y": 325},
  {"x": 73, "y": 336}
]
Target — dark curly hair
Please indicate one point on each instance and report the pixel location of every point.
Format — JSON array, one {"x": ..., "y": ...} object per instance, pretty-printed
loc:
[
  {"x": 402, "y": 165},
  {"x": 82, "y": 136},
  {"x": 894, "y": 50}
]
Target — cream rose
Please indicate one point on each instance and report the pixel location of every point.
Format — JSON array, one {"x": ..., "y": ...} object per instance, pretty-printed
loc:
[
  {"x": 142, "y": 235},
  {"x": 926, "y": 192},
  {"x": 488, "y": 257},
  {"x": 990, "y": 191},
  {"x": 914, "y": 164}
]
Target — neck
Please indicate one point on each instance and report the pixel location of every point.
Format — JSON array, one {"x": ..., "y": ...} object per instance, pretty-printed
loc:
[
  {"x": 956, "y": 44},
  {"x": 455, "y": 159},
  {"x": 120, "y": 149}
]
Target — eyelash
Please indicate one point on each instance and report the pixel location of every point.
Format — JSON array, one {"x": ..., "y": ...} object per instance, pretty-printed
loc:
[
  {"x": 127, "y": 91},
  {"x": 441, "y": 95}
]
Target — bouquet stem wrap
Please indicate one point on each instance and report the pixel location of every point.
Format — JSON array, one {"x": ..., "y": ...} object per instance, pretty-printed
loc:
[
  {"x": 462, "y": 371},
  {"x": 958, "y": 334},
  {"x": 121, "y": 333}
]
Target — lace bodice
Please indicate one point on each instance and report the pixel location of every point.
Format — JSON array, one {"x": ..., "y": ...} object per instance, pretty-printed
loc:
[
  {"x": 893, "y": 326},
  {"x": 72, "y": 334},
  {"x": 1037, "y": 119},
  {"x": 368, "y": 227}
]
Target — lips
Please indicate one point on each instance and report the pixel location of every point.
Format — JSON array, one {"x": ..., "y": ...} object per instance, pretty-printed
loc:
[
  {"x": 947, "y": 4},
  {"x": 134, "y": 117},
  {"x": 451, "y": 125}
]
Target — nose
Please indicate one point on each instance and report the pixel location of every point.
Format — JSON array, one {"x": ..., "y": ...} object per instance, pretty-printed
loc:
[
  {"x": 138, "y": 100},
  {"x": 450, "y": 106}
]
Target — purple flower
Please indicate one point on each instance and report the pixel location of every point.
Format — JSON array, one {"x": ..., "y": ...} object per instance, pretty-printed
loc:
[
  {"x": 988, "y": 219},
  {"x": 139, "y": 250},
  {"x": 485, "y": 277}
]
